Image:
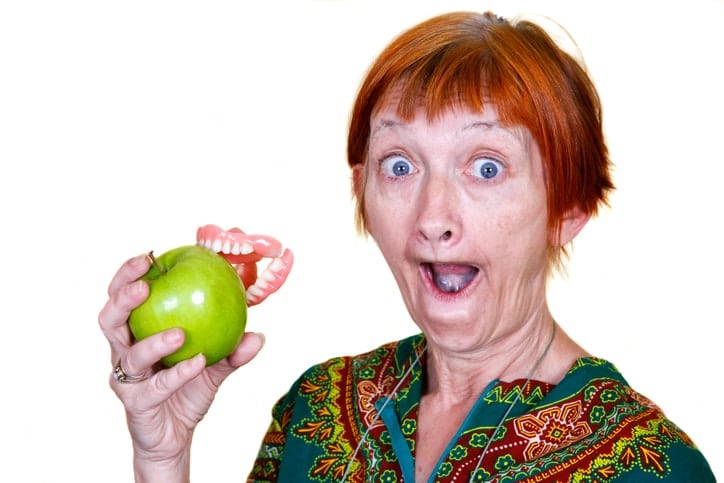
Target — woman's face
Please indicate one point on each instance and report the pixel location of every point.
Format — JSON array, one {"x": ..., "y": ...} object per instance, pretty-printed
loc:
[{"x": 458, "y": 209}]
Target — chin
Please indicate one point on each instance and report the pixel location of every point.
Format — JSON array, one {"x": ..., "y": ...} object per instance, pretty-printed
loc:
[
  {"x": 451, "y": 341},
  {"x": 452, "y": 324}
]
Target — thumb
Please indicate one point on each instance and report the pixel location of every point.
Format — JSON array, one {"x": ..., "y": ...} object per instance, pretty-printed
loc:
[{"x": 248, "y": 348}]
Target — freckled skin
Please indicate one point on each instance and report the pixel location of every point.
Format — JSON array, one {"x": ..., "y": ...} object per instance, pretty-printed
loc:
[{"x": 443, "y": 210}]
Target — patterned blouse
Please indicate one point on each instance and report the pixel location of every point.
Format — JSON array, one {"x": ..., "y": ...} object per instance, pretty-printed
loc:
[{"x": 354, "y": 419}]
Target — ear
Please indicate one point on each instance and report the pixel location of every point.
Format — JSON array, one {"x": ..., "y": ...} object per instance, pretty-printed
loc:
[
  {"x": 573, "y": 222},
  {"x": 358, "y": 180}
]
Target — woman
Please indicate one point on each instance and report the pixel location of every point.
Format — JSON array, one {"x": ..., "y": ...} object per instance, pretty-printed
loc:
[{"x": 477, "y": 155}]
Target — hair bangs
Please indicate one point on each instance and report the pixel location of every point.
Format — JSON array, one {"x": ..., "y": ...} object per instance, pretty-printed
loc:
[
  {"x": 462, "y": 77},
  {"x": 469, "y": 61}
]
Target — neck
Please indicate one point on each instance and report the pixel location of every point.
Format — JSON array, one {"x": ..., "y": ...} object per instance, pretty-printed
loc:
[{"x": 457, "y": 377}]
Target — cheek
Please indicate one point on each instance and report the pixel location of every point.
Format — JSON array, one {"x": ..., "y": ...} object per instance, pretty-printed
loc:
[
  {"x": 518, "y": 231},
  {"x": 374, "y": 216},
  {"x": 528, "y": 236},
  {"x": 387, "y": 220},
  {"x": 380, "y": 219}
]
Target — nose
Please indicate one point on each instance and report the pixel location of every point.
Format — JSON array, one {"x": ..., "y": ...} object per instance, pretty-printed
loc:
[{"x": 438, "y": 212}]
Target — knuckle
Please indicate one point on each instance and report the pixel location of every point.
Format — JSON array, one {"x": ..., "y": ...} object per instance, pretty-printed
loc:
[{"x": 102, "y": 319}]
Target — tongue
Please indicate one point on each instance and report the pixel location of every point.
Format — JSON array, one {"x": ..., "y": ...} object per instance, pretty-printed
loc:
[{"x": 452, "y": 278}]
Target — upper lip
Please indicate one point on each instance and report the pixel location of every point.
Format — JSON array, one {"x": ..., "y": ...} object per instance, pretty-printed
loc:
[{"x": 431, "y": 262}]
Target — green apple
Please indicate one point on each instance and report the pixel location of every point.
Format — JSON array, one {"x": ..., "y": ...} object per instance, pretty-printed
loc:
[{"x": 197, "y": 290}]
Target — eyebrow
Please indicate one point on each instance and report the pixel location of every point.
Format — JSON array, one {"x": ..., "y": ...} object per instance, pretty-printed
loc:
[
  {"x": 497, "y": 126},
  {"x": 384, "y": 124},
  {"x": 483, "y": 124},
  {"x": 486, "y": 125}
]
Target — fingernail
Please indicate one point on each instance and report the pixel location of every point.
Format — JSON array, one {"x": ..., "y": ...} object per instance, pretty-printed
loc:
[
  {"x": 140, "y": 260},
  {"x": 172, "y": 335},
  {"x": 192, "y": 365},
  {"x": 199, "y": 359}
]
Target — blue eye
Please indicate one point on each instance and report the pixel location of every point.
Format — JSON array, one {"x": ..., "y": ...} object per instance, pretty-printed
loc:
[
  {"x": 487, "y": 168},
  {"x": 396, "y": 166}
]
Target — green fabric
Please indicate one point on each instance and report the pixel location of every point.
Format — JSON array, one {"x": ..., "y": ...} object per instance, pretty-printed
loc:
[{"x": 590, "y": 427}]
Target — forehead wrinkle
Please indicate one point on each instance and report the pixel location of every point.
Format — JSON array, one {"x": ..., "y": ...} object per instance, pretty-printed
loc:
[
  {"x": 390, "y": 123},
  {"x": 384, "y": 124},
  {"x": 519, "y": 133},
  {"x": 481, "y": 124}
]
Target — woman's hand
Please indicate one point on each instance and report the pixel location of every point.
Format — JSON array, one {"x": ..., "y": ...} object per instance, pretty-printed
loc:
[{"x": 164, "y": 405}]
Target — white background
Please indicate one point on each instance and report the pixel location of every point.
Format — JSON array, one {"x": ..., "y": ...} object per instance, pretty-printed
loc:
[{"x": 125, "y": 125}]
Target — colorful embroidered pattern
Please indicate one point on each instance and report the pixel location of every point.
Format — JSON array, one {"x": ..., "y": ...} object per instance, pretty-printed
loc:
[{"x": 591, "y": 427}]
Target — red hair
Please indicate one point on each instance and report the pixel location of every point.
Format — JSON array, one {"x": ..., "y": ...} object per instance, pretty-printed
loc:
[{"x": 467, "y": 59}]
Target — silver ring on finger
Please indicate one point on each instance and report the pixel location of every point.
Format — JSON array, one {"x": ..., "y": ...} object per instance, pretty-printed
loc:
[{"x": 121, "y": 376}]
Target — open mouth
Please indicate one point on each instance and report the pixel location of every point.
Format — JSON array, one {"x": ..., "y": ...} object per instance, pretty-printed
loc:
[{"x": 450, "y": 277}]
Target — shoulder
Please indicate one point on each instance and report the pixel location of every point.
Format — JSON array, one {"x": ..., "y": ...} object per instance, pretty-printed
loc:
[
  {"x": 339, "y": 371},
  {"x": 389, "y": 353},
  {"x": 629, "y": 434}
]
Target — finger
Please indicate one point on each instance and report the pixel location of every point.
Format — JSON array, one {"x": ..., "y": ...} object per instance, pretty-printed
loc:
[
  {"x": 124, "y": 294},
  {"x": 131, "y": 270},
  {"x": 161, "y": 386},
  {"x": 113, "y": 318},
  {"x": 248, "y": 348},
  {"x": 143, "y": 355}
]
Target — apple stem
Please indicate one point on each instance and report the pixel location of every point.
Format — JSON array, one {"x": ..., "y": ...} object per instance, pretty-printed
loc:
[{"x": 155, "y": 262}]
